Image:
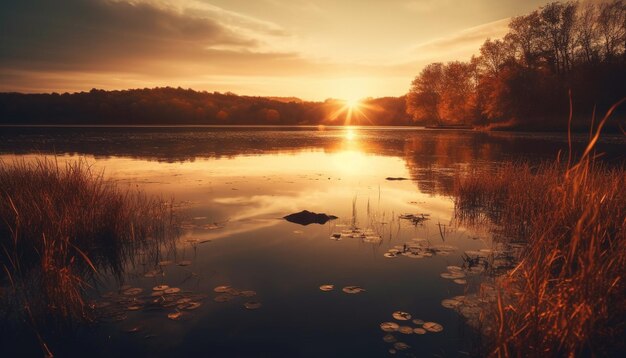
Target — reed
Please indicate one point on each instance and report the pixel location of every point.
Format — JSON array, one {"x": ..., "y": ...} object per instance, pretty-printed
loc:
[
  {"x": 62, "y": 227},
  {"x": 567, "y": 295}
]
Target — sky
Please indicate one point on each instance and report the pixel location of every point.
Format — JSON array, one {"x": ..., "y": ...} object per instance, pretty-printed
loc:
[{"x": 312, "y": 49}]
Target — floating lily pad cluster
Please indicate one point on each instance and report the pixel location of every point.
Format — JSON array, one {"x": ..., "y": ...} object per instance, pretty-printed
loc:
[
  {"x": 417, "y": 249},
  {"x": 190, "y": 225},
  {"x": 228, "y": 293},
  {"x": 472, "y": 306},
  {"x": 367, "y": 235},
  {"x": 498, "y": 260},
  {"x": 114, "y": 306},
  {"x": 352, "y": 290},
  {"x": 406, "y": 325},
  {"x": 456, "y": 274},
  {"x": 159, "y": 270},
  {"x": 415, "y": 219}
]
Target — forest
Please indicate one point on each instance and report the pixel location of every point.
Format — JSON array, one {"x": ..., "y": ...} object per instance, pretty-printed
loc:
[
  {"x": 523, "y": 80},
  {"x": 178, "y": 106}
]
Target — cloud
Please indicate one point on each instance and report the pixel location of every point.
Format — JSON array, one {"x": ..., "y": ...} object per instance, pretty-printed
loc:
[
  {"x": 460, "y": 45},
  {"x": 120, "y": 35},
  {"x": 74, "y": 45}
]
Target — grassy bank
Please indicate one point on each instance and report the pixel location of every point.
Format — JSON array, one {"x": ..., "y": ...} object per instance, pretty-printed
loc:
[
  {"x": 62, "y": 227},
  {"x": 567, "y": 295}
]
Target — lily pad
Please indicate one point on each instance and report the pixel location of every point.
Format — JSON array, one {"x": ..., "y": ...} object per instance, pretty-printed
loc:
[
  {"x": 450, "y": 303},
  {"x": 432, "y": 327},
  {"x": 390, "y": 255},
  {"x": 460, "y": 281},
  {"x": 419, "y": 331},
  {"x": 401, "y": 316},
  {"x": 175, "y": 316},
  {"x": 389, "y": 338},
  {"x": 160, "y": 288},
  {"x": 133, "y": 291},
  {"x": 405, "y": 330},
  {"x": 221, "y": 289},
  {"x": 252, "y": 305},
  {"x": 233, "y": 291},
  {"x": 418, "y": 322},
  {"x": 401, "y": 346},
  {"x": 327, "y": 288},
  {"x": 389, "y": 326},
  {"x": 353, "y": 289},
  {"x": 171, "y": 290},
  {"x": 453, "y": 275},
  {"x": 190, "y": 306}
]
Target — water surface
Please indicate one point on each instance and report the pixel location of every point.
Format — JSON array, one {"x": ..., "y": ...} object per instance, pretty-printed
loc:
[{"x": 234, "y": 185}]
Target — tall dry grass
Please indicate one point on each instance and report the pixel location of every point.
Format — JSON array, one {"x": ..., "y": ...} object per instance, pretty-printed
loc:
[
  {"x": 567, "y": 295},
  {"x": 61, "y": 228}
]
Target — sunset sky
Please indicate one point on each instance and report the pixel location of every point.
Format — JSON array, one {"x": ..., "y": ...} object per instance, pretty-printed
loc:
[{"x": 312, "y": 49}]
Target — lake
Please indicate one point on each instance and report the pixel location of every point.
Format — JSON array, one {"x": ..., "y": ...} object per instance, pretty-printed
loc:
[{"x": 233, "y": 186}]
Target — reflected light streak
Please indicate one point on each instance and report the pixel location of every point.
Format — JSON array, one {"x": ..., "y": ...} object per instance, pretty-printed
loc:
[{"x": 350, "y": 134}]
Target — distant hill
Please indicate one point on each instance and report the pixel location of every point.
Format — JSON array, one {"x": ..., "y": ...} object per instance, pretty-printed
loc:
[
  {"x": 178, "y": 106},
  {"x": 286, "y": 99}
]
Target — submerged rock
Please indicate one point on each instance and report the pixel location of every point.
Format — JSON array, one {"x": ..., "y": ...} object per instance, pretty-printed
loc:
[{"x": 306, "y": 217}]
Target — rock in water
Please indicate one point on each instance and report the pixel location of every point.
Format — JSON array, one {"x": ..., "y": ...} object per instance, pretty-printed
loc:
[{"x": 306, "y": 217}]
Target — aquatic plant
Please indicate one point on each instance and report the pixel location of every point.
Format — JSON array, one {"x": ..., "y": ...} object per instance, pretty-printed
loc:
[
  {"x": 566, "y": 296},
  {"x": 62, "y": 227}
]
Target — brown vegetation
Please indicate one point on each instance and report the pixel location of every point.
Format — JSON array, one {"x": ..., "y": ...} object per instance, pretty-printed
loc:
[
  {"x": 567, "y": 295},
  {"x": 61, "y": 227}
]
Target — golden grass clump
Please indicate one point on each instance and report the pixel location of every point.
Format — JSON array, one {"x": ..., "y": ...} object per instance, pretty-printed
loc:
[
  {"x": 61, "y": 228},
  {"x": 567, "y": 295}
]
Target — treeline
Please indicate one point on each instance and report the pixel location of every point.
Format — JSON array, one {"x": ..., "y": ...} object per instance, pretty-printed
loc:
[
  {"x": 177, "y": 106},
  {"x": 522, "y": 81}
]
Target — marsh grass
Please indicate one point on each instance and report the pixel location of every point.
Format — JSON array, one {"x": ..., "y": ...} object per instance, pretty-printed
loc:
[
  {"x": 62, "y": 228},
  {"x": 567, "y": 295}
]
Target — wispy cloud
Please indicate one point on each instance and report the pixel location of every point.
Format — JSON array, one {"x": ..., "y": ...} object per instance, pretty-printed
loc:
[{"x": 460, "y": 45}]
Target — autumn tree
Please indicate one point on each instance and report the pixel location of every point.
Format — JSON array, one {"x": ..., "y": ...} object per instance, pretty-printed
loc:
[
  {"x": 458, "y": 102},
  {"x": 424, "y": 96}
]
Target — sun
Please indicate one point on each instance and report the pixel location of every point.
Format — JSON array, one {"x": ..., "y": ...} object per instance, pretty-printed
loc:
[
  {"x": 353, "y": 103},
  {"x": 353, "y": 110}
]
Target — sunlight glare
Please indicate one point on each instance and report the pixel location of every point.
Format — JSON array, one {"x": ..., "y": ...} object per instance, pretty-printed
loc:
[
  {"x": 350, "y": 134},
  {"x": 353, "y": 103}
]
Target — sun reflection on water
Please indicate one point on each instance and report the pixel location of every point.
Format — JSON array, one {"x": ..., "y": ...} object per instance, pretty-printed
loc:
[{"x": 350, "y": 134}]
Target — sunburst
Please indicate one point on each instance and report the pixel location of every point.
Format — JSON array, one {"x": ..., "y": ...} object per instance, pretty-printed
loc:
[{"x": 350, "y": 109}]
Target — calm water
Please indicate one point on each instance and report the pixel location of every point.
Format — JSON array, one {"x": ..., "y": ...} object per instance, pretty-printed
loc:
[{"x": 234, "y": 185}]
